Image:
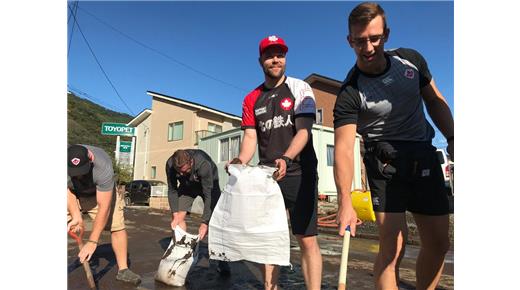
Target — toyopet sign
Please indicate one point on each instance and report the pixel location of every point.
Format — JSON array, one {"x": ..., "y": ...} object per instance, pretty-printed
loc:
[
  {"x": 116, "y": 129},
  {"x": 125, "y": 146}
]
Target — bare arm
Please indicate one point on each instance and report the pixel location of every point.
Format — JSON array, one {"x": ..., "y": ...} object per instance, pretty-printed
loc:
[
  {"x": 248, "y": 147},
  {"x": 103, "y": 199},
  {"x": 72, "y": 206},
  {"x": 439, "y": 111},
  {"x": 344, "y": 138},
  {"x": 303, "y": 131}
]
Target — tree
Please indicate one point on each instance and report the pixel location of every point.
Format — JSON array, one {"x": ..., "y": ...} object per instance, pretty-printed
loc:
[{"x": 123, "y": 173}]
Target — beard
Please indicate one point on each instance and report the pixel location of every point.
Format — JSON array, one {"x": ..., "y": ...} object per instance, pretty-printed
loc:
[{"x": 273, "y": 75}]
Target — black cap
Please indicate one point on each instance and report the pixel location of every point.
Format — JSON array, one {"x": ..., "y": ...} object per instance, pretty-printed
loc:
[{"x": 77, "y": 160}]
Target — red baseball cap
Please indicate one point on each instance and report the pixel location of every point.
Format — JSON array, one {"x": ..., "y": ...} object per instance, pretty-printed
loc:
[{"x": 272, "y": 40}]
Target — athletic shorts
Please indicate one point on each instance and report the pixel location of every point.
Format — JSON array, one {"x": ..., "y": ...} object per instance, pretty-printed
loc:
[
  {"x": 186, "y": 201},
  {"x": 116, "y": 220},
  {"x": 405, "y": 176},
  {"x": 186, "y": 197},
  {"x": 300, "y": 195}
]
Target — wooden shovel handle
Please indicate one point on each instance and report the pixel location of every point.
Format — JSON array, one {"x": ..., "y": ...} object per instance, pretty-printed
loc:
[
  {"x": 90, "y": 277},
  {"x": 86, "y": 264},
  {"x": 342, "y": 283}
]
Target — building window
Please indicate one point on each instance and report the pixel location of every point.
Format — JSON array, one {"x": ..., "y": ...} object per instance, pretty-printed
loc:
[
  {"x": 154, "y": 172},
  {"x": 330, "y": 155},
  {"x": 224, "y": 149},
  {"x": 175, "y": 131},
  {"x": 229, "y": 148},
  {"x": 319, "y": 116},
  {"x": 234, "y": 147},
  {"x": 214, "y": 128}
]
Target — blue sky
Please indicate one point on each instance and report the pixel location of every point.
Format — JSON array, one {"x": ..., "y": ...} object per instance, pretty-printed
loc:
[{"x": 206, "y": 52}]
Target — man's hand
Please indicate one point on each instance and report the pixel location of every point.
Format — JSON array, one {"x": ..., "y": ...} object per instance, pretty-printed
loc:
[
  {"x": 86, "y": 252},
  {"x": 282, "y": 168},
  {"x": 235, "y": 160},
  {"x": 346, "y": 216},
  {"x": 90, "y": 155},
  {"x": 75, "y": 224},
  {"x": 203, "y": 229}
]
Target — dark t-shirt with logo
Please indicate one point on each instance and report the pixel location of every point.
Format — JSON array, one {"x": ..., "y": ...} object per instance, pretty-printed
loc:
[
  {"x": 387, "y": 106},
  {"x": 272, "y": 113}
]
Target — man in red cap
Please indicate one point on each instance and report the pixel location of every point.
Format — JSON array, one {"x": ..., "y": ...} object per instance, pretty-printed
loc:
[
  {"x": 91, "y": 190},
  {"x": 278, "y": 116}
]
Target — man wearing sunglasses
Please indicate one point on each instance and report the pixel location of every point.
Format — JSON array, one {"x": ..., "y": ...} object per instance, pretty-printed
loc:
[
  {"x": 383, "y": 99},
  {"x": 191, "y": 173}
]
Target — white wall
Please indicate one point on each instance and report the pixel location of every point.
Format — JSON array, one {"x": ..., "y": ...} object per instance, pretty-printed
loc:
[{"x": 142, "y": 147}]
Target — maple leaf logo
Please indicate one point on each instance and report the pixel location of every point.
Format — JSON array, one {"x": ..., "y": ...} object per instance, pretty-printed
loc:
[
  {"x": 286, "y": 104},
  {"x": 75, "y": 161}
]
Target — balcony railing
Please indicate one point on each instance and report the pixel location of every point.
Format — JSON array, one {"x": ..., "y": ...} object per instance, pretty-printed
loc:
[{"x": 203, "y": 133}]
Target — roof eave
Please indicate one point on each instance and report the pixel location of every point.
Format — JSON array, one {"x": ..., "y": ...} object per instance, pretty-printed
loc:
[{"x": 194, "y": 105}]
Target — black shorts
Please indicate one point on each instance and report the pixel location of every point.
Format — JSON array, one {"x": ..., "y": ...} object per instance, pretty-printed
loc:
[
  {"x": 405, "y": 176},
  {"x": 300, "y": 195}
]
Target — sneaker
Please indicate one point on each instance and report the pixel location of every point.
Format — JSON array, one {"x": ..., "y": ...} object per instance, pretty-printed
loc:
[
  {"x": 223, "y": 268},
  {"x": 126, "y": 275}
]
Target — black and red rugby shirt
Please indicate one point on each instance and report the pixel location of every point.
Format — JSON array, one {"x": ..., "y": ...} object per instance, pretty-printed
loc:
[{"x": 272, "y": 113}]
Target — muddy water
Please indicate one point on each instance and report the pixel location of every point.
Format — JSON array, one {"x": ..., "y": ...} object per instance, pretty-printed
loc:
[{"x": 149, "y": 236}]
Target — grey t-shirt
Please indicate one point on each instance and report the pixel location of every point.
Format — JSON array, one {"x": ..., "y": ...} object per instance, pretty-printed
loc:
[
  {"x": 102, "y": 172},
  {"x": 387, "y": 106}
]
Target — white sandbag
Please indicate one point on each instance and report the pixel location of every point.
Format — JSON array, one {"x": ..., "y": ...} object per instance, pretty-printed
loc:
[
  {"x": 249, "y": 221},
  {"x": 182, "y": 254}
]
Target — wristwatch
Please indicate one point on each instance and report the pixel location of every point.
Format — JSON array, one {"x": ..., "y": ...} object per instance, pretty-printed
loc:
[{"x": 288, "y": 161}]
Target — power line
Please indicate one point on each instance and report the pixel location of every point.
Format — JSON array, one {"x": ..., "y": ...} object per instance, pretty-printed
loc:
[
  {"x": 79, "y": 92},
  {"x": 73, "y": 25},
  {"x": 68, "y": 19},
  {"x": 164, "y": 54},
  {"x": 99, "y": 64}
]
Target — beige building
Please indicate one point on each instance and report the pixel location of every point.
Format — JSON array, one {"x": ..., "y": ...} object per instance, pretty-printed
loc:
[{"x": 173, "y": 124}]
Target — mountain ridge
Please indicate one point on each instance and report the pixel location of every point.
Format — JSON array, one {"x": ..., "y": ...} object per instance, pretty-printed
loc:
[{"x": 84, "y": 119}]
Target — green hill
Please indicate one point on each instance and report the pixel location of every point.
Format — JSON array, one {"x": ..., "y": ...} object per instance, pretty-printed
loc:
[{"x": 84, "y": 120}]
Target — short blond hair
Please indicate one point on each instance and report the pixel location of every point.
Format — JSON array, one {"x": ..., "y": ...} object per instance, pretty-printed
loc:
[{"x": 364, "y": 13}]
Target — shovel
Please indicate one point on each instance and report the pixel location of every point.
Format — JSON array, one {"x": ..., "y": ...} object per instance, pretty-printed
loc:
[
  {"x": 86, "y": 265},
  {"x": 342, "y": 283}
]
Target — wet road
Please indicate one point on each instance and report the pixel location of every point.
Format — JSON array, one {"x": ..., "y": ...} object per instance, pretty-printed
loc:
[{"x": 149, "y": 236}]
